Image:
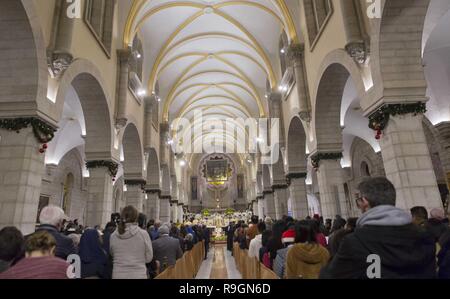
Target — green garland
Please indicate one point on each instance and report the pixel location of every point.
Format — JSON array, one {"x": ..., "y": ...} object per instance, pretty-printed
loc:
[
  {"x": 113, "y": 167},
  {"x": 380, "y": 118},
  {"x": 43, "y": 132},
  {"x": 315, "y": 160}
]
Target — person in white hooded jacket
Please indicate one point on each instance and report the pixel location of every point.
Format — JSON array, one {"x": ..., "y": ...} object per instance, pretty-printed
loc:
[
  {"x": 130, "y": 247},
  {"x": 256, "y": 243}
]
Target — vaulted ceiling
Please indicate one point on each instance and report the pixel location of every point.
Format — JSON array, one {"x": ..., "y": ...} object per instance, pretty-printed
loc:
[{"x": 217, "y": 56}]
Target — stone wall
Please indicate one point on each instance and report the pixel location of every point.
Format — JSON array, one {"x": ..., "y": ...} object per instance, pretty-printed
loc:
[{"x": 53, "y": 185}]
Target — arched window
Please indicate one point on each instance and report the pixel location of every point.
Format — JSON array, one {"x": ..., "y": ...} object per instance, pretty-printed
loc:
[
  {"x": 99, "y": 16},
  {"x": 137, "y": 58},
  {"x": 283, "y": 46},
  {"x": 317, "y": 13},
  {"x": 67, "y": 193},
  {"x": 365, "y": 170}
]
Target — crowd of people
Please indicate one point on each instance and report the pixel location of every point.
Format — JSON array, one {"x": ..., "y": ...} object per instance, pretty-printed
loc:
[
  {"x": 128, "y": 247},
  {"x": 413, "y": 244},
  {"x": 408, "y": 244}
]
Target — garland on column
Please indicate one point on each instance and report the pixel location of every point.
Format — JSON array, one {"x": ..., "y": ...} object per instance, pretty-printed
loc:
[
  {"x": 113, "y": 167},
  {"x": 380, "y": 118},
  {"x": 315, "y": 160},
  {"x": 43, "y": 132}
]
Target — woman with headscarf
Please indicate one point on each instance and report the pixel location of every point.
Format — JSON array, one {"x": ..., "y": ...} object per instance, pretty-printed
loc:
[{"x": 93, "y": 257}]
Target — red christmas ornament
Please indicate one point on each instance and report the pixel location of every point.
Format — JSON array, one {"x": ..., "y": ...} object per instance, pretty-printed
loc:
[
  {"x": 41, "y": 150},
  {"x": 45, "y": 146}
]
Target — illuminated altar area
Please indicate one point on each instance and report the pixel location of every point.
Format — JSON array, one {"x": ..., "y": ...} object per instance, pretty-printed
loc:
[{"x": 219, "y": 186}]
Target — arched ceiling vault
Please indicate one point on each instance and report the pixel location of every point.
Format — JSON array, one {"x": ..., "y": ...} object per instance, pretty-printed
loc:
[{"x": 210, "y": 55}]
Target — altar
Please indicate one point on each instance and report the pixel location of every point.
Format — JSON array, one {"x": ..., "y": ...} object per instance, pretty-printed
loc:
[{"x": 217, "y": 221}]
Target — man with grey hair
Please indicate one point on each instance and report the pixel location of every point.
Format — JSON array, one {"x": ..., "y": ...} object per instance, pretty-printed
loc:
[
  {"x": 385, "y": 232},
  {"x": 166, "y": 249},
  {"x": 51, "y": 220}
]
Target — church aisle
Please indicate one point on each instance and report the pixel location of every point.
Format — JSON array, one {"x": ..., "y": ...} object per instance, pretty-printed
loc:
[{"x": 219, "y": 268}]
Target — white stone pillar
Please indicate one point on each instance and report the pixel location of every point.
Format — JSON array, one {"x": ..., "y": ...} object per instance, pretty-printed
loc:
[
  {"x": 408, "y": 164},
  {"x": 100, "y": 189},
  {"x": 331, "y": 186},
  {"x": 174, "y": 212},
  {"x": 152, "y": 204},
  {"x": 296, "y": 55},
  {"x": 255, "y": 207},
  {"x": 297, "y": 193},
  {"x": 281, "y": 197},
  {"x": 180, "y": 212},
  {"x": 164, "y": 209},
  {"x": 269, "y": 205},
  {"x": 135, "y": 196},
  {"x": 261, "y": 207},
  {"x": 21, "y": 170}
]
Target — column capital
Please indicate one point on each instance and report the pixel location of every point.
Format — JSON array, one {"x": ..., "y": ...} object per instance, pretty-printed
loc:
[
  {"x": 112, "y": 167},
  {"x": 275, "y": 96},
  {"x": 379, "y": 118},
  {"x": 319, "y": 156},
  {"x": 136, "y": 182},
  {"x": 267, "y": 192},
  {"x": 279, "y": 186},
  {"x": 296, "y": 52},
  {"x": 169, "y": 197},
  {"x": 124, "y": 55}
]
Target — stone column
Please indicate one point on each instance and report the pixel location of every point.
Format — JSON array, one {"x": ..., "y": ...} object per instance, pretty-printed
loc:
[
  {"x": 100, "y": 189},
  {"x": 180, "y": 213},
  {"x": 276, "y": 111},
  {"x": 150, "y": 104},
  {"x": 135, "y": 195},
  {"x": 281, "y": 198},
  {"x": 330, "y": 178},
  {"x": 153, "y": 204},
  {"x": 356, "y": 37},
  {"x": 269, "y": 204},
  {"x": 21, "y": 170},
  {"x": 296, "y": 54},
  {"x": 255, "y": 207},
  {"x": 174, "y": 212},
  {"x": 407, "y": 160},
  {"x": 123, "y": 56},
  {"x": 444, "y": 138},
  {"x": 261, "y": 204},
  {"x": 297, "y": 192},
  {"x": 164, "y": 209},
  {"x": 60, "y": 45}
]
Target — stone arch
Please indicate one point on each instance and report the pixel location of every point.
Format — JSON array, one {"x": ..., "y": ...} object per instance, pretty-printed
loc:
[
  {"x": 153, "y": 170},
  {"x": 396, "y": 47},
  {"x": 362, "y": 152},
  {"x": 23, "y": 60},
  {"x": 133, "y": 153},
  {"x": 335, "y": 71},
  {"x": 95, "y": 101},
  {"x": 296, "y": 147}
]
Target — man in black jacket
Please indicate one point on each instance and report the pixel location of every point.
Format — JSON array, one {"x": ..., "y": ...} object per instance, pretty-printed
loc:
[
  {"x": 404, "y": 250},
  {"x": 51, "y": 219}
]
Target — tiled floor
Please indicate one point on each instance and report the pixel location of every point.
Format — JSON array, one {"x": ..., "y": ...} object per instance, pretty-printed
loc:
[{"x": 219, "y": 265}]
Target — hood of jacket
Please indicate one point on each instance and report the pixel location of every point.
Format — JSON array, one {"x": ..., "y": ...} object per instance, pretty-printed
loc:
[
  {"x": 131, "y": 230},
  {"x": 309, "y": 253},
  {"x": 384, "y": 216}
]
